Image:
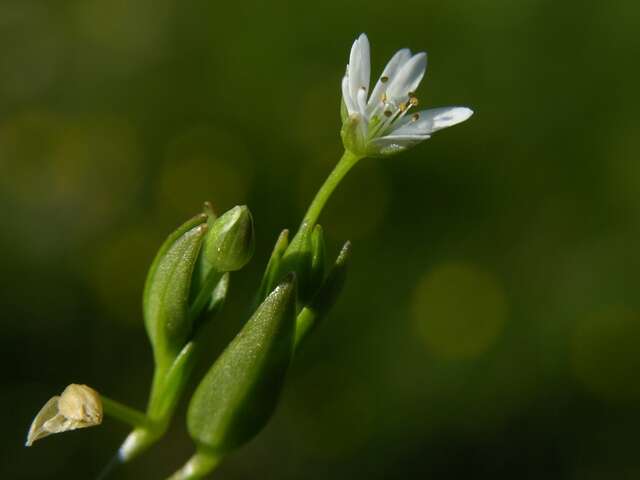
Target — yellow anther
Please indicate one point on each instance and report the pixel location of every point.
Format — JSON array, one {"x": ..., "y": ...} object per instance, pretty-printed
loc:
[{"x": 413, "y": 101}]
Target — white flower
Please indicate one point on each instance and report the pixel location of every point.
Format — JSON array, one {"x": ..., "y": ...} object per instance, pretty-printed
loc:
[
  {"x": 384, "y": 120},
  {"x": 79, "y": 406}
]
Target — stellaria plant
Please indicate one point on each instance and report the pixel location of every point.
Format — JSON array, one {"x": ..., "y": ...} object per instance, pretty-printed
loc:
[{"x": 188, "y": 283}]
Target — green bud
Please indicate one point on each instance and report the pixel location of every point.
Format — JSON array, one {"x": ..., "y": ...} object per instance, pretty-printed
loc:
[
  {"x": 230, "y": 242},
  {"x": 305, "y": 256},
  {"x": 239, "y": 393},
  {"x": 271, "y": 273},
  {"x": 327, "y": 295},
  {"x": 166, "y": 293}
]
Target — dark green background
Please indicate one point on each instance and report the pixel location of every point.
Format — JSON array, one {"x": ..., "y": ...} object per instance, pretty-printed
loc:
[{"x": 490, "y": 327}]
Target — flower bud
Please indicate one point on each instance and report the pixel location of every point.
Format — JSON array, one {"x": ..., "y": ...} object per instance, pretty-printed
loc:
[
  {"x": 240, "y": 391},
  {"x": 79, "y": 406},
  {"x": 230, "y": 242},
  {"x": 166, "y": 294},
  {"x": 305, "y": 256}
]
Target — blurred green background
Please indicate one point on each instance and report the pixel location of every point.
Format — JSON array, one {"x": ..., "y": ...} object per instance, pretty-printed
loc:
[{"x": 490, "y": 327}]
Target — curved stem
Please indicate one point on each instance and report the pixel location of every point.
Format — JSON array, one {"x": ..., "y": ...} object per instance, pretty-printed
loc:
[
  {"x": 347, "y": 161},
  {"x": 199, "y": 465},
  {"x": 124, "y": 413}
]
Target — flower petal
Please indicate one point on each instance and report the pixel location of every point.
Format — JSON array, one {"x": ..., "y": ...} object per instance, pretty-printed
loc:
[
  {"x": 397, "y": 61},
  {"x": 408, "y": 78},
  {"x": 394, "y": 143},
  {"x": 432, "y": 120},
  {"x": 359, "y": 69},
  {"x": 346, "y": 96}
]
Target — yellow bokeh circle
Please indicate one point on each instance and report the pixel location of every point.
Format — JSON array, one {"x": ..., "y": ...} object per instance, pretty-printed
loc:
[{"x": 459, "y": 310}]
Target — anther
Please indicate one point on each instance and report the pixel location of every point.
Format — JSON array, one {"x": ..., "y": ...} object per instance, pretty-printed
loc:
[
  {"x": 403, "y": 107},
  {"x": 412, "y": 94},
  {"x": 413, "y": 101},
  {"x": 384, "y": 97},
  {"x": 387, "y": 113},
  {"x": 415, "y": 117},
  {"x": 384, "y": 79}
]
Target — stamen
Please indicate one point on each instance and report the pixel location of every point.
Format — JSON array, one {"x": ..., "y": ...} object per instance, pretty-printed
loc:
[
  {"x": 384, "y": 79},
  {"x": 415, "y": 117},
  {"x": 384, "y": 97},
  {"x": 403, "y": 107},
  {"x": 411, "y": 94},
  {"x": 387, "y": 113},
  {"x": 413, "y": 101}
]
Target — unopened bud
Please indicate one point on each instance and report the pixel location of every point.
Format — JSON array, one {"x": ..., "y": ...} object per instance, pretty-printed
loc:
[
  {"x": 79, "y": 406},
  {"x": 229, "y": 243}
]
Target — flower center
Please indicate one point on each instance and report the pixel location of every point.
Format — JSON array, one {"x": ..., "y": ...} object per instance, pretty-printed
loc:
[{"x": 392, "y": 113}]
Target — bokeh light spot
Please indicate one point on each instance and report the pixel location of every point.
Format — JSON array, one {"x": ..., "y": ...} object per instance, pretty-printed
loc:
[
  {"x": 459, "y": 310},
  {"x": 76, "y": 174},
  {"x": 605, "y": 353},
  {"x": 117, "y": 271},
  {"x": 204, "y": 164}
]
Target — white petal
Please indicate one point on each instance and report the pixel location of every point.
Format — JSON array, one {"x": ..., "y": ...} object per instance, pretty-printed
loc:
[
  {"x": 395, "y": 143},
  {"x": 346, "y": 96},
  {"x": 361, "y": 100},
  {"x": 359, "y": 65},
  {"x": 432, "y": 120},
  {"x": 408, "y": 78},
  {"x": 397, "y": 61}
]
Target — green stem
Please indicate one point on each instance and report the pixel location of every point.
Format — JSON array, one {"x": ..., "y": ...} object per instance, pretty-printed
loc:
[
  {"x": 347, "y": 161},
  {"x": 199, "y": 465},
  {"x": 125, "y": 413}
]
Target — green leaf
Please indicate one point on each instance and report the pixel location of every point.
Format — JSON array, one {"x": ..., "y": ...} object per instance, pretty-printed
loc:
[
  {"x": 239, "y": 393},
  {"x": 166, "y": 294}
]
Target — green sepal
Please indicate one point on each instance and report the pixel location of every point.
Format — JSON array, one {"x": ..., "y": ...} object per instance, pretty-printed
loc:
[
  {"x": 240, "y": 391},
  {"x": 318, "y": 258},
  {"x": 203, "y": 268},
  {"x": 353, "y": 133},
  {"x": 326, "y": 297},
  {"x": 166, "y": 293},
  {"x": 344, "y": 112},
  {"x": 270, "y": 277},
  {"x": 298, "y": 259}
]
